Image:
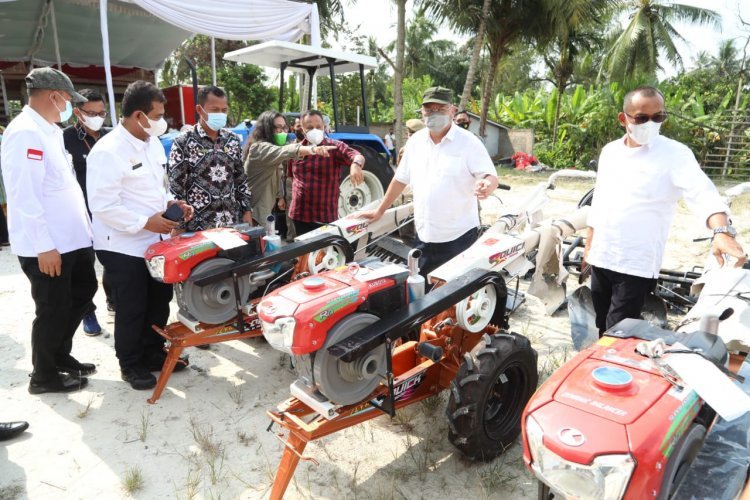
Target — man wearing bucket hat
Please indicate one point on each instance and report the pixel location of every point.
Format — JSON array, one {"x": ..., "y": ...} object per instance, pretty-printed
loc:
[
  {"x": 49, "y": 229},
  {"x": 448, "y": 168}
]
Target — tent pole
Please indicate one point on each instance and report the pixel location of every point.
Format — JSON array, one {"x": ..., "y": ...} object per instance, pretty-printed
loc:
[
  {"x": 335, "y": 99},
  {"x": 54, "y": 34},
  {"x": 107, "y": 67},
  {"x": 6, "y": 103},
  {"x": 213, "y": 60}
]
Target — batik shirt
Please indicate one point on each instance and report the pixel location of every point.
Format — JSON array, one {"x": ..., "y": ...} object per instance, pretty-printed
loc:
[{"x": 209, "y": 176}]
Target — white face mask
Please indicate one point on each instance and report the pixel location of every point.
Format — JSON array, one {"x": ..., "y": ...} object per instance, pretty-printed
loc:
[
  {"x": 315, "y": 136},
  {"x": 93, "y": 122},
  {"x": 437, "y": 121},
  {"x": 155, "y": 127},
  {"x": 645, "y": 132}
]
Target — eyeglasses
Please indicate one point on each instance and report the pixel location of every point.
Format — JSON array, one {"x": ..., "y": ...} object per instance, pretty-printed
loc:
[
  {"x": 642, "y": 118},
  {"x": 430, "y": 111},
  {"x": 92, "y": 114}
]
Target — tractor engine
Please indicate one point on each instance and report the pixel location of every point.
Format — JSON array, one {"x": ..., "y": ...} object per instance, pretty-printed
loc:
[
  {"x": 307, "y": 316},
  {"x": 174, "y": 260}
]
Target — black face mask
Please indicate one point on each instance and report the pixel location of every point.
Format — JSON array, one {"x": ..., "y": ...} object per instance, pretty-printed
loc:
[
  {"x": 300, "y": 135},
  {"x": 463, "y": 125}
]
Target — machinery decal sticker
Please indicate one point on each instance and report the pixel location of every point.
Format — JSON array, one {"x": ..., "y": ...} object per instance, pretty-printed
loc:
[
  {"x": 350, "y": 297},
  {"x": 594, "y": 403},
  {"x": 202, "y": 247},
  {"x": 402, "y": 390},
  {"x": 681, "y": 420},
  {"x": 357, "y": 228},
  {"x": 501, "y": 257}
]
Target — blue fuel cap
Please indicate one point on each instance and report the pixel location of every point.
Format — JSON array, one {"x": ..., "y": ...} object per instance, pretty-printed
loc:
[
  {"x": 313, "y": 283},
  {"x": 612, "y": 377}
]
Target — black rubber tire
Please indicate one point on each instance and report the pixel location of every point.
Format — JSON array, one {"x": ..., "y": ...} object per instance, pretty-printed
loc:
[
  {"x": 681, "y": 458},
  {"x": 489, "y": 393},
  {"x": 374, "y": 163},
  {"x": 586, "y": 199}
]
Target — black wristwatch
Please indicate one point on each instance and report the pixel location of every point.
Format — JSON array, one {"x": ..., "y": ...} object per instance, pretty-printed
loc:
[{"x": 728, "y": 230}]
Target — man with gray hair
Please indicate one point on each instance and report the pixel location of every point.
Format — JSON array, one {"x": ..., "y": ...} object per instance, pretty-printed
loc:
[{"x": 49, "y": 229}]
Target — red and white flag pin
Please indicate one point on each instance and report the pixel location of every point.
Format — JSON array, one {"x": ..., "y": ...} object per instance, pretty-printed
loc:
[{"x": 34, "y": 154}]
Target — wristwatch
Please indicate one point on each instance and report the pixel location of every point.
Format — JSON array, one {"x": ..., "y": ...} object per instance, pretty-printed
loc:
[{"x": 728, "y": 230}]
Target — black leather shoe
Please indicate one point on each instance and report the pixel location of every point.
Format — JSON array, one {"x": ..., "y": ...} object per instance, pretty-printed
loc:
[
  {"x": 75, "y": 368},
  {"x": 62, "y": 383},
  {"x": 9, "y": 430},
  {"x": 138, "y": 377},
  {"x": 155, "y": 361}
]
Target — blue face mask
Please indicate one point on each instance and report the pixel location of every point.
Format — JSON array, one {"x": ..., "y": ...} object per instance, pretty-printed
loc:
[
  {"x": 216, "y": 121},
  {"x": 66, "y": 113}
]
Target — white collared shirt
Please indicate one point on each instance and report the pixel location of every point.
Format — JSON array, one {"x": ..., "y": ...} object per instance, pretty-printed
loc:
[
  {"x": 635, "y": 198},
  {"x": 126, "y": 183},
  {"x": 442, "y": 177},
  {"x": 46, "y": 210}
]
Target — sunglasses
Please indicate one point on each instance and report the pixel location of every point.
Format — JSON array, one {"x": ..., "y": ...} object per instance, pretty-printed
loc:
[{"x": 642, "y": 118}]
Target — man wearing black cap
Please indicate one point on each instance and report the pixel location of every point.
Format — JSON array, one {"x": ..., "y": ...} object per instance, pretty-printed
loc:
[
  {"x": 448, "y": 169},
  {"x": 49, "y": 229}
]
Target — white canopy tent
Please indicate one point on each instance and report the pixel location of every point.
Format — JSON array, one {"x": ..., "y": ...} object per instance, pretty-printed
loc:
[{"x": 142, "y": 32}]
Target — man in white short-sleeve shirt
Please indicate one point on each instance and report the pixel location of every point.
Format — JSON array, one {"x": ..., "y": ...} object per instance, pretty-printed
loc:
[
  {"x": 448, "y": 168},
  {"x": 640, "y": 179},
  {"x": 49, "y": 229}
]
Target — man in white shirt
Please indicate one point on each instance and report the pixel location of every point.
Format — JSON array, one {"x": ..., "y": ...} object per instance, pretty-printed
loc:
[
  {"x": 640, "y": 179},
  {"x": 448, "y": 168},
  {"x": 49, "y": 229},
  {"x": 128, "y": 193}
]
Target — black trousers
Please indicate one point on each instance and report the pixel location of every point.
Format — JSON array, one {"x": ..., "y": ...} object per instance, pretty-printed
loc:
[
  {"x": 435, "y": 255},
  {"x": 305, "y": 227},
  {"x": 3, "y": 227},
  {"x": 60, "y": 304},
  {"x": 617, "y": 296},
  {"x": 141, "y": 302},
  {"x": 107, "y": 293}
]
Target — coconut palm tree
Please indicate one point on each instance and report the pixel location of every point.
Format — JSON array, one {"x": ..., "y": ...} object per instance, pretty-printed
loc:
[{"x": 649, "y": 34}]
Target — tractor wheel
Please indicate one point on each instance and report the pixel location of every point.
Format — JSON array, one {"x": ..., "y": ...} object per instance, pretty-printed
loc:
[
  {"x": 378, "y": 175},
  {"x": 682, "y": 456},
  {"x": 489, "y": 393}
]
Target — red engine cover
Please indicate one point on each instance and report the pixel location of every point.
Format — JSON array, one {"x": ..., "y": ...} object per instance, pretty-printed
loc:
[
  {"x": 317, "y": 304},
  {"x": 182, "y": 253},
  {"x": 644, "y": 417}
]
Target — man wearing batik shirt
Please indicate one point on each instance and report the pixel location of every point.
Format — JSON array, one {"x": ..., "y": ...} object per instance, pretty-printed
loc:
[
  {"x": 205, "y": 167},
  {"x": 316, "y": 179}
]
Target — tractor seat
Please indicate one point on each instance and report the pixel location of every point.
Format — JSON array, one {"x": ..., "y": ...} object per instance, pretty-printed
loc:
[{"x": 710, "y": 345}]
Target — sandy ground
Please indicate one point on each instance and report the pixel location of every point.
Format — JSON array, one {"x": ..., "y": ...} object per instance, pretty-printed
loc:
[{"x": 206, "y": 437}]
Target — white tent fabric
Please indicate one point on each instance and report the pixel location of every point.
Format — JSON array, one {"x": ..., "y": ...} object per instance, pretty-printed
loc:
[
  {"x": 227, "y": 19},
  {"x": 240, "y": 19}
]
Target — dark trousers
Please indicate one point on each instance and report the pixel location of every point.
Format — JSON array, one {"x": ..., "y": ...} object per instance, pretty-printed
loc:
[
  {"x": 305, "y": 227},
  {"x": 60, "y": 304},
  {"x": 141, "y": 302},
  {"x": 3, "y": 227},
  {"x": 435, "y": 255},
  {"x": 107, "y": 293},
  {"x": 617, "y": 296}
]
